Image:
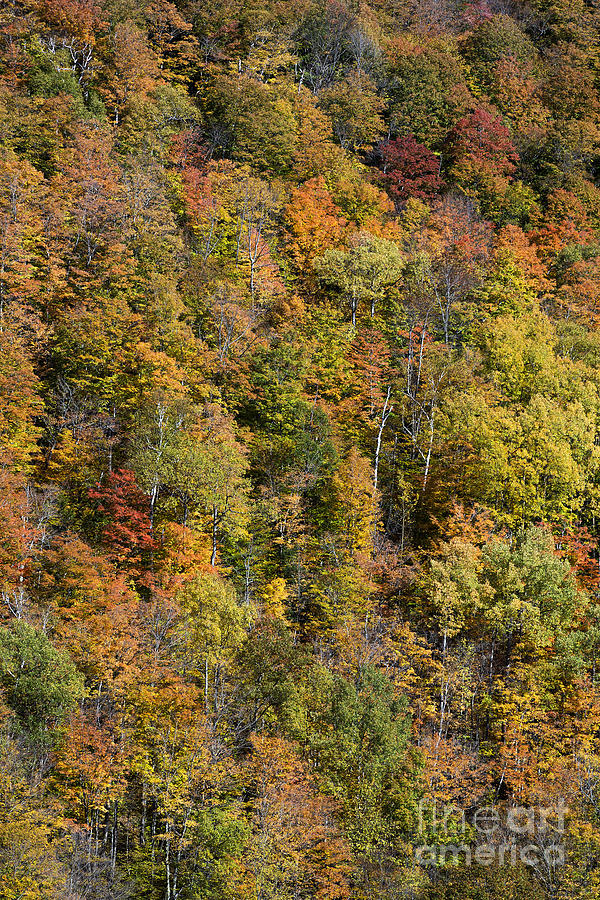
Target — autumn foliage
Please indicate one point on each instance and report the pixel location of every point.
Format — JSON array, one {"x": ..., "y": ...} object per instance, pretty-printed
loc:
[{"x": 299, "y": 468}]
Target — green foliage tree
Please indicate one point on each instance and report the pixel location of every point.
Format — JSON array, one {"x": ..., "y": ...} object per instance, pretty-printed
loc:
[
  {"x": 362, "y": 275},
  {"x": 40, "y": 684}
]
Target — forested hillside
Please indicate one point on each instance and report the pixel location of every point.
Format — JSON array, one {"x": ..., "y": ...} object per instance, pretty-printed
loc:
[{"x": 299, "y": 449}]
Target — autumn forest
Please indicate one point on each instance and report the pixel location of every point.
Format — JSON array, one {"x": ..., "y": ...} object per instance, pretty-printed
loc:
[{"x": 299, "y": 450}]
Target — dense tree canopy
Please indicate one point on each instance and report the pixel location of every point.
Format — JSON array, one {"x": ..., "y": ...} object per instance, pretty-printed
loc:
[{"x": 299, "y": 449}]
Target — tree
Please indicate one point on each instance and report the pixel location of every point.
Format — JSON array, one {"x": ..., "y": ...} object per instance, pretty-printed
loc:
[
  {"x": 313, "y": 223},
  {"x": 428, "y": 88},
  {"x": 297, "y": 848},
  {"x": 315, "y": 152},
  {"x": 493, "y": 42},
  {"x": 409, "y": 169},
  {"x": 483, "y": 160},
  {"x": 321, "y": 39},
  {"x": 29, "y": 848},
  {"x": 41, "y": 685},
  {"x": 359, "y": 745},
  {"x": 354, "y": 510},
  {"x": 481, "y": 142},
  {"x": 188, "y": 838},
  {"x": 365, "y": 273},
  {"x": 171, "y": 34},
  {"x": 201, "y": 468},
  {"x": 213, "y": 627},
  {"x": 541, "y": 600},
  {"x": 127, "y": 529},
  {"x": 127, "y": 83},
  {"x": 451, "y": 257},
  {"x": 355, "y": 111},
  {"x": 258, "y": 125}
]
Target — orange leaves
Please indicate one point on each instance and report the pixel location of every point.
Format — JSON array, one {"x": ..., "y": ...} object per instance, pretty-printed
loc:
[
  {"x": 371, "y": 370},
  {"x": 135, "y": 69},
  {"x": 232, "y": 215},
  {"x": 92, "y": 609},
  {"x": 313, "y": 223},
  {"x": 172, "y": 36},
  {"x": 295, "y": 834},
  {"x": 20, "y": 539},
  {"x": 453, "y": 774},
  {"x": 512, "y": 240},
  {"x": 90, "y": 767},
  {"x": 580, "y": 548},
  {"x": 94, "y": 193},
  {"x": 21, "y": 195},
  {"x": 579, "y": 292},
  {"x": 82, "y": 19}
]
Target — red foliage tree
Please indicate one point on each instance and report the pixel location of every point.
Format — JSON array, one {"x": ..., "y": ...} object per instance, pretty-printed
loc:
[
  {"x": 481, "y": 141},
  {"x": 409, "y": 169},
  {"x": 127, "y": 529}
]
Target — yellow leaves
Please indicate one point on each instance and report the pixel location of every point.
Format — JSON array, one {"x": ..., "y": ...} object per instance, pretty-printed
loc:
[
  {"x": 315, "y": 149},
  {"x": 415, "y": 215},
  {"x": 452, "y": 587},
  {"x": 71, "y": 455},
  {"x": 214, "y": 624},
  {"x": 519, "y": 353},
  {"x": 29, "y": 867},
  {"x": 518, "y": 715},
  {"x": 19, "y": 401},
  {"x": 270, "y": 57},
  {"x": 105, "y": 356},
  {"x": 355, "y": 511},
  {"x": 580, "y": 880},
  {"x": 274, "y": 597},
  {"x": 20, "y": 330},
  {"x": 361, "y": 202},
  {"x": 534, "y": 441},
  {"x": 415, "y": 670},
  {"x": 355, "y": 111}
]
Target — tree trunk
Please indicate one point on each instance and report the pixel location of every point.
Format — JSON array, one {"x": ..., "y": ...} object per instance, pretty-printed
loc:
[
  {"x": 385, "y": 414},
  {"x": 215, "y": 520}
]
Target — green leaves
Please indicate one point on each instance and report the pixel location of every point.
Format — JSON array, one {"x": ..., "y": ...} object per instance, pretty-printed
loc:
[
  {"x": 359, "y": 740},
  {"x": 532, "y": 588},
  {"x": 363, "y": 275},
  {"x": 40, "y": 684},
  {"x": 520, "y": 588}
]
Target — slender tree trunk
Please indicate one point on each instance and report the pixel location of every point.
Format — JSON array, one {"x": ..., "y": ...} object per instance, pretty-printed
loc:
[
  {"x": 143, "y": 817},
  {"x": 168, "y": 861},
  {"x": 114, "y": 838},
  {"x": 215, "y": 521},
  {"x": 206, "y": 702},
  {"x": 385, "y": 414},
  {"x": 430, "y": 447}
]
